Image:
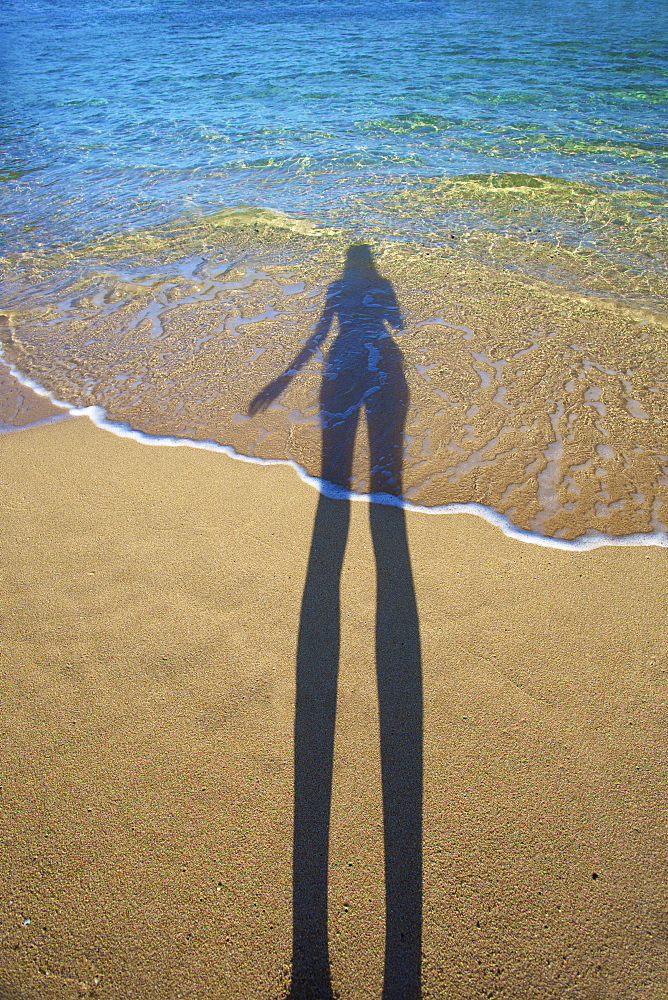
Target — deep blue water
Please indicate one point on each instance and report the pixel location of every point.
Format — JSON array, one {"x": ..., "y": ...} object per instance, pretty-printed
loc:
[{"x": 400, "y": 117}]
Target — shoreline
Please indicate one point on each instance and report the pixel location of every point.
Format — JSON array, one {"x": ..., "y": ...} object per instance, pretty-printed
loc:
[
  {"x": 542, "y": 406},
  {"x": 151, "y": 616},
  {"x": 97, "y": 416}
]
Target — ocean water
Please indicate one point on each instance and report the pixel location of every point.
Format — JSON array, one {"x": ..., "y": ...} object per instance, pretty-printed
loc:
[{"x": 180, "y": 184}]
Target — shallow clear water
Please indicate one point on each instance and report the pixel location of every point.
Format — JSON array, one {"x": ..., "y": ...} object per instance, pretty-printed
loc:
[
  {"x": 190, "y": 176},
  {"x": 399, "y": 117}
]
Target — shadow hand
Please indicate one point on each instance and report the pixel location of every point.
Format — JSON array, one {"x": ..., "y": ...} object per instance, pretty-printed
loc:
[{"x": 267, "y": 395}]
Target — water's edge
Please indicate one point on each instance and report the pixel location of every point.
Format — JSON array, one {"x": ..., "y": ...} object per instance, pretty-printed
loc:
[{"x": 97, "y": 415}]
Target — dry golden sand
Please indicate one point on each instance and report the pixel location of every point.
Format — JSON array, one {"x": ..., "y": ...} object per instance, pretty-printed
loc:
[{"x": 150, "y": 612}]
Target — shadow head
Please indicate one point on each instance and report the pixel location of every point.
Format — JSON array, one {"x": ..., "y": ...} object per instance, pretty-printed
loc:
[{"x": 359, "y": 260}]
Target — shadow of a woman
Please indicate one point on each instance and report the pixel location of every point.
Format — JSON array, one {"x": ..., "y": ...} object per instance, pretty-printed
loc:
[{"x": 363, "y": 370}]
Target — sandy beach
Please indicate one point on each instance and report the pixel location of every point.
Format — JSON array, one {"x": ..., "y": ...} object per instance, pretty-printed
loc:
[
  {"x": 151, "y": 604},
  {"x": 261, "y": 742}
]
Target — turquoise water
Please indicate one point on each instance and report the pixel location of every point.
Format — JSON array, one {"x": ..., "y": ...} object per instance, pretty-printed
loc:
[
  {"x": 190, "y": 176},
  {"x": 133, "y": 115}
]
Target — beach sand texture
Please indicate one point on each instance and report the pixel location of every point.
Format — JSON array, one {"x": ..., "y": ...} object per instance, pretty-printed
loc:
[{"x": 151, "y": 610}]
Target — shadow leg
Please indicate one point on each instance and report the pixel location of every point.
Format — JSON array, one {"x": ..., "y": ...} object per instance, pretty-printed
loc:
[
  {"x": 398, "y": 665},
  {"x": 317, "y": 668}
]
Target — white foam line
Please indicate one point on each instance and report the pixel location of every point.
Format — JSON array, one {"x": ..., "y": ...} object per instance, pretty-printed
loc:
[
  {"x": 585, "y": 543},
  {"x": 11, "y": 428}
]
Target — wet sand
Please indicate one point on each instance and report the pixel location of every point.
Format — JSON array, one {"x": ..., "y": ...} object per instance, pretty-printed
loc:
[
  {"x": 151, "y": 606},
  {"x": 543, "y": 404}
]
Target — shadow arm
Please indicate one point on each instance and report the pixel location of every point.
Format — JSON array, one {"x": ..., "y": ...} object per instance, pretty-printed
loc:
[{"x": 274, "y": 388}]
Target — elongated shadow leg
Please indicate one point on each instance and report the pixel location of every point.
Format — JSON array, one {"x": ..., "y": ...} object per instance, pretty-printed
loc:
[
  {"x": 315, "y": 715},
  {"x": 398, "y": 666}
]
